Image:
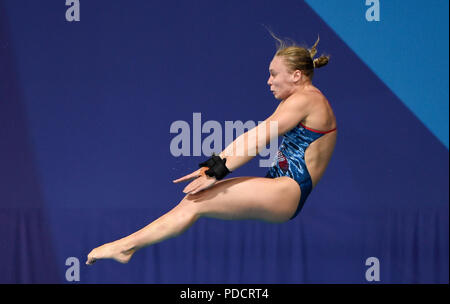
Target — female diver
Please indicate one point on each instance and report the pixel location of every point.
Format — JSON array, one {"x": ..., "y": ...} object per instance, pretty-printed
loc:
[{"x": 305, "y": 120}]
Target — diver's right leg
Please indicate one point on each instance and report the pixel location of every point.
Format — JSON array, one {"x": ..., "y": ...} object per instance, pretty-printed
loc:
[{"x": 266, "y": 199}]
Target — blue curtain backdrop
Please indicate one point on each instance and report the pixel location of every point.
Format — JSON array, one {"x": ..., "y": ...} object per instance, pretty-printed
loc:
[{"x": 85, "y": 115}]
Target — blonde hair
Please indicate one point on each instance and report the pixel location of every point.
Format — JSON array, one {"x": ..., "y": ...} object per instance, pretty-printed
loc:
[{"x": 300, "y": 57}]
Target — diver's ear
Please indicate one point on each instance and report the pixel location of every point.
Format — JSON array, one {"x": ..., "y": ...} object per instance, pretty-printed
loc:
[{"x": 297, "y": 76}]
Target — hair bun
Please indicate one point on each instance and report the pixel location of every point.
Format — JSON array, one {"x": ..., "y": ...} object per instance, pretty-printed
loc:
[{"x": 321, "y": 61}]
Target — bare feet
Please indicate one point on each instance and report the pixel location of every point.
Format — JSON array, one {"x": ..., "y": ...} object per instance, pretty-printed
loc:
[{"x": 114, "y": 250}]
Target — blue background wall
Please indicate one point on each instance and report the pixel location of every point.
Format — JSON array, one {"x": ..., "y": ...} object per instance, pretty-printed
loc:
[{"x": 85, "y": 115}]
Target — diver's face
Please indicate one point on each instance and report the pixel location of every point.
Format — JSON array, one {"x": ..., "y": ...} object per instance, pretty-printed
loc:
[{"x": 280, "y": 80}]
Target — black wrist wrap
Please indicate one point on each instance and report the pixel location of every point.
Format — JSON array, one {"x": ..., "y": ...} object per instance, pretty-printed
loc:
[{"x": 216, "y": 167}]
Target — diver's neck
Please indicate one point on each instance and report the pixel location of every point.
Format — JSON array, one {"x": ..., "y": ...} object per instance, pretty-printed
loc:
[{"x": 300, "y": 89}]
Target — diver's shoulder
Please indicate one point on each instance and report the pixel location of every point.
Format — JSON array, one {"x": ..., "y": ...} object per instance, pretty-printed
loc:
[{"x": 310, "y": 98}]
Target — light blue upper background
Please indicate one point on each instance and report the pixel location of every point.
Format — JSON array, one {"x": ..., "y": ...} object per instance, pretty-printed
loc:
[{"x": 407, "y": 49}]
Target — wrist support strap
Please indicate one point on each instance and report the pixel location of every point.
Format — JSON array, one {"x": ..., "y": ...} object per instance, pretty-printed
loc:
[{"x": 216, "y": 167}]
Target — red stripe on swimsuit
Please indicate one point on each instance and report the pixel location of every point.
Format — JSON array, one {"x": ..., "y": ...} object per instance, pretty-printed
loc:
[{"x": 317, "y": 131}]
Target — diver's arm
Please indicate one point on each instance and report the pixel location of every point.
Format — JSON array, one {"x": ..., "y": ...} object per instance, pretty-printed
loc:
[{"x": 248, "y": 144}]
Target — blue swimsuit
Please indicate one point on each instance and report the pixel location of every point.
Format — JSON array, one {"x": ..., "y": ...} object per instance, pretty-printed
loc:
[{"x": 290, "y": 160}]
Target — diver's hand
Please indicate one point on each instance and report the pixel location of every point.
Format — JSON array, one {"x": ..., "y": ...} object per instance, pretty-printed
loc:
[
  {"x": 201, "y": 181},
  {"x": 191, "y": 176}
]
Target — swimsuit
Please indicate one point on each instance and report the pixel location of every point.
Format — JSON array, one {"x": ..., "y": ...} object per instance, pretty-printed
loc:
[{"x": 290, "y": 159}]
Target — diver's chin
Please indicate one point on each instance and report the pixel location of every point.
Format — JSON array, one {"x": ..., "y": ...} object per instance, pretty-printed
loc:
[{"x": 277, "y": 97}]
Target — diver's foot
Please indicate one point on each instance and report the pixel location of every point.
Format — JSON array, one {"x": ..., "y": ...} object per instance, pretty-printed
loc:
[{"x": 114, "y": 250}]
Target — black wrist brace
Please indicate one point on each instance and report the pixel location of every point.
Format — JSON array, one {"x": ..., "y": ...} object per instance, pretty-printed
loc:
[{"x": 216, "y": 167}]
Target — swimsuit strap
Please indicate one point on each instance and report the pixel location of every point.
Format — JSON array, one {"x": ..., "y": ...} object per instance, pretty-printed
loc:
[{"x": 317, "y": 131}]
